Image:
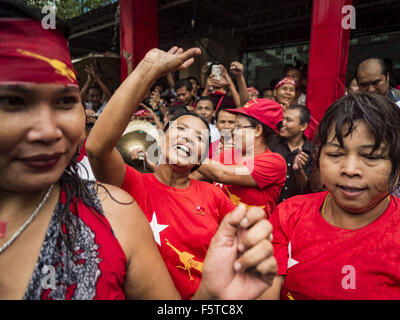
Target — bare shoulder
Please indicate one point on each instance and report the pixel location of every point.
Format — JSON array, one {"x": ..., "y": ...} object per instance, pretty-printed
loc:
[
  {"x": 125, "y": 216},
  {"x": 111, "y": 196}
]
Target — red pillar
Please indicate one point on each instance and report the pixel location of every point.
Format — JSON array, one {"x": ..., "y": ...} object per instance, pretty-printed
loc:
[
  {"x": 327, "y": 64},
  {"x": 138, "y": 32}
]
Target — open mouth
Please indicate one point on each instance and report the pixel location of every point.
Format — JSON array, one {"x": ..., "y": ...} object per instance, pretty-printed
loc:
[{"x": 183, "y": 149}]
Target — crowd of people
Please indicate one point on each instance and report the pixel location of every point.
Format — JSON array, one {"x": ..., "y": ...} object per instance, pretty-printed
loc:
[{"x": 239, "y": 203}]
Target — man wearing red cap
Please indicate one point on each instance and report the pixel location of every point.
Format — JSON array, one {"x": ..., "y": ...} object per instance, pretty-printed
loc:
[{"x": 254, "y": 175}]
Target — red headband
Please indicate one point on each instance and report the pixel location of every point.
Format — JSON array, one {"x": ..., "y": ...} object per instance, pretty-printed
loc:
[
  {"x": 254, "y": 90},
  {"x": 31, "y": 54},
  {"x": 284, "y": 81}
]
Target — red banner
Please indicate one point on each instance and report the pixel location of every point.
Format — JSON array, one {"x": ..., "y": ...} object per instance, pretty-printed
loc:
[
  {"x": 138, "y": 32},
  {"x": 327, "y": 64}
]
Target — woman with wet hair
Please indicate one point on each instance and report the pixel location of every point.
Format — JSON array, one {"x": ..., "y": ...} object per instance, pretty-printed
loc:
[
  {"x": 344, "y": 243},
  {"x": 62, "y": 237}
]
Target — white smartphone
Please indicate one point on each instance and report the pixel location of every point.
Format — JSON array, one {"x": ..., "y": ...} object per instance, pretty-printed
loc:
[{"x": 216, "y": 71}]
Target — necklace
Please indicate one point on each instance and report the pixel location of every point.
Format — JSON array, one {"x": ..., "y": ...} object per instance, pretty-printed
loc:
[
  {"x": 324, "y": 205},
  {"x": 326, "y": 201},
  {"x": 27, "y": 222}
]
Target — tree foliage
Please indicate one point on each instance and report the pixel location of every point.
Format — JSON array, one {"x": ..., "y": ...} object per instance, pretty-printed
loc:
[{"x": 67, "y": 9}]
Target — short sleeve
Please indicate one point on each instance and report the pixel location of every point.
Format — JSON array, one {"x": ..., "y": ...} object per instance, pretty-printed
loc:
[
  {"x": 133, "y": 183},
  {"x": 280, "y": 241},
  {"x": 267, "y": 169}
]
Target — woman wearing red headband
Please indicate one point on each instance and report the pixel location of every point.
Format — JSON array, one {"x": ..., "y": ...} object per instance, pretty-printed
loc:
[
  {"x": 61, "y": 237},
  {"x": 284, "y": 92}
]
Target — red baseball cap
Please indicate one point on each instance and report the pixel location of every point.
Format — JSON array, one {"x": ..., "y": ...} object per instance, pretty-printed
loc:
[{"x": 267, "y": 111}]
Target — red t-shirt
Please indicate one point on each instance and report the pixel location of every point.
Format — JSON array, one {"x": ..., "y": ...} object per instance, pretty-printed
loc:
[
  {"x": 183, "y": 222},
  {"x": 269, "y": 172},
  {"x": 214, "y": 148},
  {"x": 322, "y": 261}
]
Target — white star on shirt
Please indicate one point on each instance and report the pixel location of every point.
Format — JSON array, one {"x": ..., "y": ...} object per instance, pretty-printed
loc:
[
  {"x": 291, "y": 262},
  {"x": 156, "y": 228}
]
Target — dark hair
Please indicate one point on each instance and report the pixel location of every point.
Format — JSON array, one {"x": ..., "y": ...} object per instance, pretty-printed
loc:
[
  {"x": 388, "y": 62},
  {"x": 193, "y": 78},
  {"x": 269, "y": 135},
  {"x": 224, "y": 108},
  {"x": 381, "y": 63},
  {"x": 183, "y": 83},
  {"x": 305, "y": 115},
  {"x": 379, "y": 113},
  {"x": 70, "y": 182},
  {"x": 191, "y": 113},
  {"x": 206, "y": 98},
  {"x": 158, "y": 83},
  {"x": 95, "y": 87},
  {"x": 177, "y": 110},
  {"x": 293, "y": 67},
  {"x": 266, "y": 89},
  {"x": 273, "y": 83}
]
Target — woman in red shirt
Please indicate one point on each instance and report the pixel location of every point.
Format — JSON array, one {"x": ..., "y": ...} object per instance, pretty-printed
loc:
[
  {"x": 344, "y": 243},
  {"x": 184, "y": 214}
]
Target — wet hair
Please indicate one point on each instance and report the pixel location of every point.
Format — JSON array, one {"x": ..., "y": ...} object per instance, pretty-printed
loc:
[
  {"x": 183, "y": 83},
  {"x": 381, "y": 116},
  {"x": 70, "y": 182},
  {"x": 381, "y": 63},
  {"x": 191, "y": 113},
  {"x": 305, "y": 115}
]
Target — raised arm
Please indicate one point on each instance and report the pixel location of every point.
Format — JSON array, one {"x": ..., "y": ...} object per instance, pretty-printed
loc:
[
  {"x": 107, "y": 163},
  {"x": 102, "y": 86},
  {"x": 170, "y": 80},
  {"x": 85, "y": 87},
  {"x": 226, "y": 80},
  {"x": 237, "y": 71}
]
